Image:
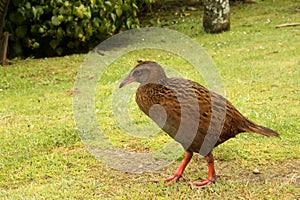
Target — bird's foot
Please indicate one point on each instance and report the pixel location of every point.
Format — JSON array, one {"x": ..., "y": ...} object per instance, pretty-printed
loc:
[
  {"x": 170, "y": 179},
  {"x": 204, "y": 182}
]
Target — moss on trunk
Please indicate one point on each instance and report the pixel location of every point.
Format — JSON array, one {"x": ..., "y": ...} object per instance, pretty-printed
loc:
[{"x": 216, "y": 18}]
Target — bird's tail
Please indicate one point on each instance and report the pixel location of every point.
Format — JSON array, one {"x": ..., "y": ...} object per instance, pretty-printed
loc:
[{"x": 255, "y": 128}]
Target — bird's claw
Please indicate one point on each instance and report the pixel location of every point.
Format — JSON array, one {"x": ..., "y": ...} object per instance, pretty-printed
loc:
[
  {"x": 204, "y": 182},
  {"x": 170, "y": 179}
]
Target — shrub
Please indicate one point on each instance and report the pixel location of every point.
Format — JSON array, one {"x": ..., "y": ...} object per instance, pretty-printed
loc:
[{"x": 57, "y": 27}]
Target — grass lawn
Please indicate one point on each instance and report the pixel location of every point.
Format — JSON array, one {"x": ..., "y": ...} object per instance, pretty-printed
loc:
[{"x": 42, "y": 156}]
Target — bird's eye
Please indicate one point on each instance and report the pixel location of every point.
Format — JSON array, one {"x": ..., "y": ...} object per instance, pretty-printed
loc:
[{"x": 137, "y": 72}]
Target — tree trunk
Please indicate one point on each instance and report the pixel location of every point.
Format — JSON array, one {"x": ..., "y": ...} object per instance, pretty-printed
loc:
[{"x": 216, "y": 16}]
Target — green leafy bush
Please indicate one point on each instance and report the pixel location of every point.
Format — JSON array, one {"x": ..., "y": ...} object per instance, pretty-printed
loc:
[{"x": 58, "y": 27}]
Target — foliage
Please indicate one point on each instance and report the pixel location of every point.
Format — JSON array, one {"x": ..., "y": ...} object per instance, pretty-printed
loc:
[{"x": 57, "y": 27}]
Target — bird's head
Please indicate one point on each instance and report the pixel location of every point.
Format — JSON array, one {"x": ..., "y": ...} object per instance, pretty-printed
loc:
[{"x": 145, "y": 72}]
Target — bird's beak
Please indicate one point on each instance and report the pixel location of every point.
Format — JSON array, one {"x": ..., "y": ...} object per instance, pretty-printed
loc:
[{"x": 127, "y": 80}]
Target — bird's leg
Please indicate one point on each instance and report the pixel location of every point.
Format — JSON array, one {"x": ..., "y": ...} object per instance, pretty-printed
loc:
[
  {"x": 179, "y": 171},
  {"x": 211, "y": 172}
]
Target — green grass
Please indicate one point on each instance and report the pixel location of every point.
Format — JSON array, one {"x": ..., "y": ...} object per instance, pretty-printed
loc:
[{"x": 42, "y": 156}]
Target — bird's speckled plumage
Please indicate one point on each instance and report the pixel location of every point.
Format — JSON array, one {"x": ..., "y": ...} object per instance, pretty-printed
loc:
[{"x": 187, "y": 111}]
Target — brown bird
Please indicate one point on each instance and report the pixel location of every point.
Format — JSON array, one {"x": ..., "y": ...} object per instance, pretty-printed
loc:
[{"x": 195, "y": 117}]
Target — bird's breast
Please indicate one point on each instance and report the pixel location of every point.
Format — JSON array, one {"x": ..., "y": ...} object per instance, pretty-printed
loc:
[{"x": 176, "y": 111}]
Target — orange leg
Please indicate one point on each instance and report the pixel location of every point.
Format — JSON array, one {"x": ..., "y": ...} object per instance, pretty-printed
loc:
[
  {"x": 179, "y": 171},
  {"x": 211, "y": 172}
]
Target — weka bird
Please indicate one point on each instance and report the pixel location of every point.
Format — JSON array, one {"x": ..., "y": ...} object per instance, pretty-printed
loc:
[{"x": 195, "y": 117}]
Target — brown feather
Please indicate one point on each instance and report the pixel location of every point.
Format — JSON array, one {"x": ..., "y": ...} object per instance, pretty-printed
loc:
[{"x": 197, "y": 118}]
